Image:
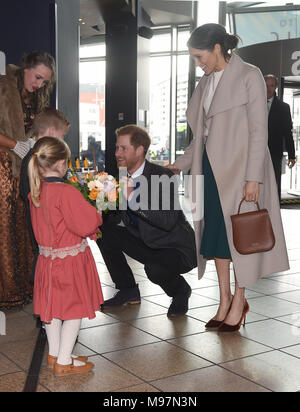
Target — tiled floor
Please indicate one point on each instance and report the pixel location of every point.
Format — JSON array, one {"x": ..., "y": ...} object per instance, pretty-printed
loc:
[{"x": 138, "y": 349}]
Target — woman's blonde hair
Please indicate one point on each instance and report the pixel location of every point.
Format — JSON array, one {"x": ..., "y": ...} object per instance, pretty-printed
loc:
[
  {"x": 41, "y": 97},
  {"x": 47, "y": 151}
]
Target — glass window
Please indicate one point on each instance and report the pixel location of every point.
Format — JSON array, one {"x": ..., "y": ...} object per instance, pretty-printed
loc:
[
  {"x": 181, "y": 141},
  {"x": 92, "y": 113},
  {"x": 290, "y": 178},
  {"x": 169, "y": 76},
  {"x": 92, "y": 50},
  {"x": 160, "y": 43},
  {"x": 159, "y": 125},
  {"x": 267, "y": 26},
  {"x": 183, "y": 37}
]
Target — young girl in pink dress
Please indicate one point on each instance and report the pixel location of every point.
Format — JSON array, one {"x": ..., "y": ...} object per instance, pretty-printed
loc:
[{"x": 67, "y": 286}]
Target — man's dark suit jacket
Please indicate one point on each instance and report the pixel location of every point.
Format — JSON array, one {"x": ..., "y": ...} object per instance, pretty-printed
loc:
[
  {"x": 160, "y": 229},
  {"x": 280, "y": 130}
]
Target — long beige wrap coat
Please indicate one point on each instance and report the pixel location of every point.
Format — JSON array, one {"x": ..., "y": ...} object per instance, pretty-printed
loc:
[{"x": 238, "y": 152}]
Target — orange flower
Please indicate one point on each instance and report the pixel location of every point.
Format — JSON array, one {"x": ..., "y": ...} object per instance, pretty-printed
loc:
[
  {"x": 73, "y": 179},
  {"x": 112, "y": 196},
  {"x": 93, "y": 194},
  {"x": 88, "y": 176}
]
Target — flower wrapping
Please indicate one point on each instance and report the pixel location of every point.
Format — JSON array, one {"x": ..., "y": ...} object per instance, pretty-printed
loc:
[{"x": 101, "y": 190}]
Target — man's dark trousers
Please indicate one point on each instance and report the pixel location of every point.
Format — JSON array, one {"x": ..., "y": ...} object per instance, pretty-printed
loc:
[{"x": 163, "y": 266}]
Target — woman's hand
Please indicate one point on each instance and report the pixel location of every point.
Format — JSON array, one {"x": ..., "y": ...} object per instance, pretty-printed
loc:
[
  {"x": 251, "y": 191},
  {"x": 173, "y": 169}
]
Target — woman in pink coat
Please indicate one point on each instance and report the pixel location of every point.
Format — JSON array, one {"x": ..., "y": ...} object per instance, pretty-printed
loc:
[
  {"x": 228, "y": 117},
  {"x": 67, "y": 286}
]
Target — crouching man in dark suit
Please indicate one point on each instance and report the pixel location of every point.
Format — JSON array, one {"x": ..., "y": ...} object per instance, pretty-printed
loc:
[
  {"x": 151, "y": 228},
  {"x": 280, "y": 129}
]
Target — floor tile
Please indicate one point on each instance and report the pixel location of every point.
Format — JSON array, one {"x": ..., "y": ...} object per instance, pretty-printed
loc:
[
  {"x": 139, "y": 349},
  {"x": 19, "y": 327},
  {"x": 213, "y": 292},
  {"x": 270, "y": 287},
  {"x": 271, "y": 333},
  {"x": 165, "y": 360},
  {"x": 14, "y": 382},
  {"x": 129, "y": 312},
  {"x": 294, "y": 267},
  {"x": 212, "y": 379},
  {"x": 20, "y": 352},
  {"x": 292, "y": 350},
  {"x": 196, "y": 283},
  {"x": 165, "y": 328},
  {"x": 275, "y": 370},
  {"x": 294, "y": 254},
  {"x": 105, "y": 377},
  {"x": 109, "y": 338},
  {"x": 139, "y": 388},
  {"x": 293, "y": 279},
  {"x": 100, "y": 319},
  {"x": 7, "y": 366},
  {"x": 219, "y": 347},
  {"x": 272, "y": 307},
  {"x": 293, "y": 319},
  {"x": 148, "y": 288},
  {"x": 195, "y": 301},
  {"x": 293, "y": 296}
]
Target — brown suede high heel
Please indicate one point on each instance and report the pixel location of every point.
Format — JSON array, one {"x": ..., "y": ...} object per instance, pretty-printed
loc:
[
  {"x": 233, "y": 328},
  {"x": 214, "y": 324}
]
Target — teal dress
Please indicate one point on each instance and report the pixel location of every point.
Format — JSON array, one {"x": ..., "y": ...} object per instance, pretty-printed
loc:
[{"x": 214, "y": 240}]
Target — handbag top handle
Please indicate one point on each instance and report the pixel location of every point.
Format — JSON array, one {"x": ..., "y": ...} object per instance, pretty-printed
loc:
[{"x": 258, "y": 208}]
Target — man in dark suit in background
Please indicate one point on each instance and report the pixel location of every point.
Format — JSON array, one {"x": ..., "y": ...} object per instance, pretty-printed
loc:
[
  {"x": 158, "y": 237},
  {"x": 280, "y": 130}
]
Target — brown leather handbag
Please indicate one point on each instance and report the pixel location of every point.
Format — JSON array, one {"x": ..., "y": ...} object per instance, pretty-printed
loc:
[{"x": 252, "y": 231}]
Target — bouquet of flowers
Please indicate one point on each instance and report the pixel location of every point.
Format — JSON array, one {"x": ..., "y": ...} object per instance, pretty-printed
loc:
[{"x": 99, "y": 189}]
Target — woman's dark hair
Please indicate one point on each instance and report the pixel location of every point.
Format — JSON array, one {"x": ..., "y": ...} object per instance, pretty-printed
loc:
[
  {"x": 207, "y": 36},
  {"x": 34, "y": 59}
]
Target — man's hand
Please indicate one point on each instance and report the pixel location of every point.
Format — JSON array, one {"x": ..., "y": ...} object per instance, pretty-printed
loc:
[
  {"x": 291, "y": 163},
  {"x": 251, "y": 191}
]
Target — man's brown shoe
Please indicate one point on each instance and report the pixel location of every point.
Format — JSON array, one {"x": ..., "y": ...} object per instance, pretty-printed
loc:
[{"x": 61, "y": 370}]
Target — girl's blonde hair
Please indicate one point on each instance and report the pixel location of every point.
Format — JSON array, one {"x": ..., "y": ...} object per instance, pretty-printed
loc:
[{"x": 46, "y": 152}]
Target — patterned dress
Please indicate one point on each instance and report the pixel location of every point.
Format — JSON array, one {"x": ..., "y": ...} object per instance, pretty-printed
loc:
[{"x": 16, "y": 256}]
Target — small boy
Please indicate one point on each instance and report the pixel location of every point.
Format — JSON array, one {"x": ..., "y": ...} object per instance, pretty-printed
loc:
[{"x": 50, "y": 122}]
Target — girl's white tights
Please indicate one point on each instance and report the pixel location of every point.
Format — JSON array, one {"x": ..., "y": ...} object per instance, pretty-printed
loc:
[{"x": 61, "y": 337}]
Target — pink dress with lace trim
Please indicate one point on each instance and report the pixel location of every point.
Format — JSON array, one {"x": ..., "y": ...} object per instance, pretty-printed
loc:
[{"x": 67, "y": 284}]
